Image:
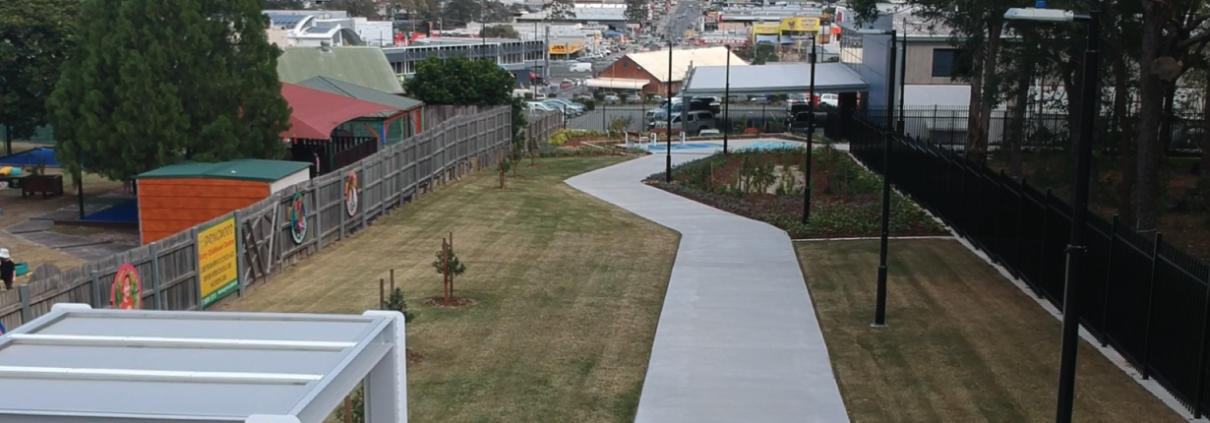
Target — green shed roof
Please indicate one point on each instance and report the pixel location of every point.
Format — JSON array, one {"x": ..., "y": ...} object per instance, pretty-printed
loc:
[
  {"x": 246, "y": 169},
  {"x": 364, "y": 66},
  {"x": 351, "y": 90}
]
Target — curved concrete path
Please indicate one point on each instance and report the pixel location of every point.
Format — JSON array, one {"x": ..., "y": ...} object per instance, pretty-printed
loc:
[{"x": 737, "y": 339}]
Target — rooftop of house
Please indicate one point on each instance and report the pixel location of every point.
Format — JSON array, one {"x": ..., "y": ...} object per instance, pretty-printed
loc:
[
  {"x": 657, "y": 62},
  {"x": 364, "y": 66}
]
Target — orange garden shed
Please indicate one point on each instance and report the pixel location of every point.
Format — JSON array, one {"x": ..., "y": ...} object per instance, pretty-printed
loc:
[{"x": 177, "y": 197}]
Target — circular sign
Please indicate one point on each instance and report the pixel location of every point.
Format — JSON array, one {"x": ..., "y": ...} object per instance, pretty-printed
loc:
[
  {"x": 351, "y": 193},
  {"x": 298, "y": 218},
  {"x": 127, "y": 290}
]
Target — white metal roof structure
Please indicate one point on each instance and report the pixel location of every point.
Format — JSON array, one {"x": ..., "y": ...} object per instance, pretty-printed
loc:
[
  {"x": 774, "y": 79},
  {"x": 617, "y": 83},
  {"x": 76, "y": 364},
  {"x": 656, "y": 62}
]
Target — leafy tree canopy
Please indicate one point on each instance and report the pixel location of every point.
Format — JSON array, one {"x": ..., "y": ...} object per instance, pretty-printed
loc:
[
  {"x": 200, "y": 83},
  {"x": 500, "y": 31},
  {"x": 636, "y": 11},
  {"x": 559, "y": 9},
  {"x": 36, "y": 37},
  {"x": 284, "y": 5},
  {"x": 362, "y": 8},
  {"x": 461, "y": 81}
]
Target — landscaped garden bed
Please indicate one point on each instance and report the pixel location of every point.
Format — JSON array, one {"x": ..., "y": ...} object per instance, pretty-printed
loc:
[{"x": 768, "y": 185}]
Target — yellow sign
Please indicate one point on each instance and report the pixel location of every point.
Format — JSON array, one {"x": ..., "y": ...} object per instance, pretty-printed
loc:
[
  {"x": 566, "y": 48},
  {"x": 799, "y": 24},
  {"x": 711, "y": 17},
  {"x": 765, "y": 29},
  {"x": 217, "y": 268}
]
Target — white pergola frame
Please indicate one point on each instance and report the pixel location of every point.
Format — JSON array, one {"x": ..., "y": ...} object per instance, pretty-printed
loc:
[{"x": 378, "y": 356}]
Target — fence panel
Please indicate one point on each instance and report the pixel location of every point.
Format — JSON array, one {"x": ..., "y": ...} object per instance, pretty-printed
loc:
[
  {"x": 1145, "y": 298},
  {"x": 169, "y": 267}
]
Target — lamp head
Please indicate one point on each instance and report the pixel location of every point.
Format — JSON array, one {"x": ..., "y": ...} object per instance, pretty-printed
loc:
[{"x": 1039, "y": 15}]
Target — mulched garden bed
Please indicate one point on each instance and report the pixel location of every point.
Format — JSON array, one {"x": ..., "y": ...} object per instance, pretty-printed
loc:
[
  {"x": 846, "y": 200},
  {"x": 455, "y": 302}
]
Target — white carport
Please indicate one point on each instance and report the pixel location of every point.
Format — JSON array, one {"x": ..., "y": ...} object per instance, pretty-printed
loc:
[
  {"x": 76, "y": 365},
  {"x": 773, "y": 79},
  {"x": 617, "y": 83}
]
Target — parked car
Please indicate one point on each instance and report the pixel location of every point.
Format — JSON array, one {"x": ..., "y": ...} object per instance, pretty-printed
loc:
[
  {"x": 537, "y": 106},
  {"x": 571, "y": 109},
  {"x": 830, "y": 99},
  {"x": 580, "y": 67},
  {"x": 612, "y": 99},
  {"x": 692, "y": 122},
  {"x": 565, "y": 85}
]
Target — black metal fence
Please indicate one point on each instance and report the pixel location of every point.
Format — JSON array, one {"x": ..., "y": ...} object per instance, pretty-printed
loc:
[{"x": 1144, "y": 297}]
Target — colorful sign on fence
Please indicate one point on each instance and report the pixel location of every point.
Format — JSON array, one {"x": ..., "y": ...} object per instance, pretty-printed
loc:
[
  {"x": 298, "y": 218},
  {"x": 351, "y": 193},
  {"x": 126, "y": 293},
  {"x": 218, "y": 270}
]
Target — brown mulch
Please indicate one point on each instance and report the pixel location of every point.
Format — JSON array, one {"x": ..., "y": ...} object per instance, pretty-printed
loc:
[
  {"x": 455, "y": 302},
  {"x": 414, "y": 357}
]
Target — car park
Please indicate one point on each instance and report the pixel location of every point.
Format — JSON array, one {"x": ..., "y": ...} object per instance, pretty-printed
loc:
[{"x": 573, "y": 108}]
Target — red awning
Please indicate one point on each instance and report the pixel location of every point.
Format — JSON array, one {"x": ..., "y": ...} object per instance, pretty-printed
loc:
[{"x": 316, "y": 113}]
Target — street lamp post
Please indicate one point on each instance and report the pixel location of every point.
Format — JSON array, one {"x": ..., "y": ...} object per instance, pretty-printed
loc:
[
  {"x": 806, "y": 191},
  {"x": 888, "y": 138},
  {"x": 1079, "y": 196},
  {"x": 902, "y": 79},
  {"x": 668, "y": 129},
  {"x": 727, "y": 101},
  {"x": 880, "y": 307}
]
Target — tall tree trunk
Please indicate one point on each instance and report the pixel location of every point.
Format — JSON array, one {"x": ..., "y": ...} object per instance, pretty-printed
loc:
[
  {"x": 1025, "y": 75},
  {"x": 1151, "y": 97},
  {"x": 988, "y": 94},
  {"x": 976, "y": 106},
  {"x": 1121, "y": 87},
  {"x": 1205, "y": 165},
  {"x": 1167, "y": 117}
]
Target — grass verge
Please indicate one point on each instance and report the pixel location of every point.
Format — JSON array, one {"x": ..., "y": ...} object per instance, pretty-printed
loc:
[
  {"x": 569, "y": 291},
  {"x": 962, "y": 344}
]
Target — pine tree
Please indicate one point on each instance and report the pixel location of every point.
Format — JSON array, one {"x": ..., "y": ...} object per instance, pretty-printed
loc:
[{"x": 153, "y": 83}]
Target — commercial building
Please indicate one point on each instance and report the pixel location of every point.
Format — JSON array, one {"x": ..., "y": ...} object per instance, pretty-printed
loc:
[
  {"x": 511, "y": 54},
  {"x": 648, "y": 72},
  {"x": 608, "y": 14}
]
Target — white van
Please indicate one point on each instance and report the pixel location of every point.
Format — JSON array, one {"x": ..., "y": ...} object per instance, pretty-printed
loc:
[{"x": 581, "y": 67}]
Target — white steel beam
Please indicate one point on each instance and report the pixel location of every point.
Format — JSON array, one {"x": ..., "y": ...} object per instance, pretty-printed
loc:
[
  {"x": 163, "y": 342},
  {"x": 126, "y": 375}
]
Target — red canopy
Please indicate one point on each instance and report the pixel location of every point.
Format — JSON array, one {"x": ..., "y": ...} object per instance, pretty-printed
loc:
[{"x": 316, "y": 113}]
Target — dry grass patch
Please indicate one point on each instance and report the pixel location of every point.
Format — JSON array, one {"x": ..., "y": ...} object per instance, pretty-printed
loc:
[
  {"x": 569, "y": 290},
  {"x": 962, "y": 343}
]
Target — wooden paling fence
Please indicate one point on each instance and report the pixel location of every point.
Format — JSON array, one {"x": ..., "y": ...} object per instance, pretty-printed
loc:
[{"x": 194, "y": 268}]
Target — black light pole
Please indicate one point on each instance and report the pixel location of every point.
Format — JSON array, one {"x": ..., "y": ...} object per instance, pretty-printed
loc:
[
  {"x": 727, "y": 100},
  {"x": 902, "y": 78},
  {"x": 806, "y": 191},
  {"x": 880, "y": 306},
  {"x": 668, "y": 131},
  {"x": 1079, "y": 196}
]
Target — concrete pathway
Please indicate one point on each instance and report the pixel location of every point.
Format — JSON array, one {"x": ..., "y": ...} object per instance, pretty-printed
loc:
[{"x": 737, "y": 339}]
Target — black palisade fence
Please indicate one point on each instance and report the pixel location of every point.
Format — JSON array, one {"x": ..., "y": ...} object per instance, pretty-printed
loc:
[{"x": 1142, "y": 296}]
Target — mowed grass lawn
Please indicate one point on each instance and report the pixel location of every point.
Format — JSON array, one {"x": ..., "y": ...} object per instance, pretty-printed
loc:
[
  {"x": 963, "y": 344},
  {"x": 569, "y": 291}
]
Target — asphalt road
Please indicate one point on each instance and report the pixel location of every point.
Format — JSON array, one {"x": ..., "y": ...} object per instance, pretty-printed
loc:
[{"x": 683, "y": 17}]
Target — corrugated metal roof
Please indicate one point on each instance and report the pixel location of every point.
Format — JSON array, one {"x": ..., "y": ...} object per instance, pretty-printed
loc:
[
  {"x": 364, "y": 66},
  {"x": 774, "y": 79},
  {"x": 316, "y": 113},
  {"x": 656, "y": 62},
  {"x": 247, "y": 170},
  {"x": 338, "y": 87}
]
